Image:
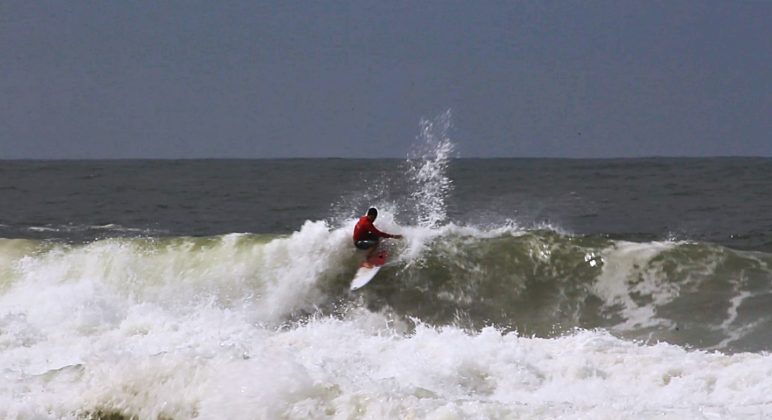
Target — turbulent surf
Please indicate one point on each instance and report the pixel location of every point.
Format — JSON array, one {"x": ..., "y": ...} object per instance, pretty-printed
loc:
[{"x": 523, "y": 289}]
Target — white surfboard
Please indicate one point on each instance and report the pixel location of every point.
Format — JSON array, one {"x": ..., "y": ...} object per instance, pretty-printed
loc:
[{"x": 365, "y": 274}]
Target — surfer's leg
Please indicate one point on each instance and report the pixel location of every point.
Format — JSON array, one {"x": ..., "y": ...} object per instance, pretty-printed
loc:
[{"x": 371, "y": 251}]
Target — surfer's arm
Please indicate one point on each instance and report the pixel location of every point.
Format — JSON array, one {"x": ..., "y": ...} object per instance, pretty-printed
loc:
[{"x": 384, "y": 234}]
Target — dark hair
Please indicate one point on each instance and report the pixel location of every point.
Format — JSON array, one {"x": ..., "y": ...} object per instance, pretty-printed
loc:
[{"x": 372, "y": 212}]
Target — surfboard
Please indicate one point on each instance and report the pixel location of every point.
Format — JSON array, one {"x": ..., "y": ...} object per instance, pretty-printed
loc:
[{"x": 365, "y": 274}]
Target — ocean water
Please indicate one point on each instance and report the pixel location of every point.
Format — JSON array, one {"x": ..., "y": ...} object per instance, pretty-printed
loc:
[{"x": 524, "y": 288}]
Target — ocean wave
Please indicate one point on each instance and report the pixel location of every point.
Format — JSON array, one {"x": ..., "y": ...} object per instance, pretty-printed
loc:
[{"x": 539, "y": 282}]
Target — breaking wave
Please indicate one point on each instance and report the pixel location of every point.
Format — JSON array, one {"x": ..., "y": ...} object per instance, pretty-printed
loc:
[
  {"x": 535, "y": 282},
  {"x": 463, "y": 321}
]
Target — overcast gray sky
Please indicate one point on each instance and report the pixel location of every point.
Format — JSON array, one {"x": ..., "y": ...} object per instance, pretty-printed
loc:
[{"x": 198, "y": 79}]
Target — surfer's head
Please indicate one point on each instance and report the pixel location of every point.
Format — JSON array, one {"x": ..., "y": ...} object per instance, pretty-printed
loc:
[{"x": 372, "y": 213}]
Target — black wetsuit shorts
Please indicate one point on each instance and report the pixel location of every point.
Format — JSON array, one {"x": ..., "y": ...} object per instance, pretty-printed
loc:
[{"x": 367, "y": 243}]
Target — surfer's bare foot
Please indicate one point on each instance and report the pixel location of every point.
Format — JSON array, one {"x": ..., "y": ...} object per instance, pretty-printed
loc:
[{"x": 367, "y": 265}]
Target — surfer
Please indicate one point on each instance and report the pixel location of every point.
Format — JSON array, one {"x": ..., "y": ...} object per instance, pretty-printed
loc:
[{"x": 366, "y": 235}]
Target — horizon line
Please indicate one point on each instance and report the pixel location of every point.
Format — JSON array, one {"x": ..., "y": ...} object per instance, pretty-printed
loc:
[{"x": 64, "y": 159}]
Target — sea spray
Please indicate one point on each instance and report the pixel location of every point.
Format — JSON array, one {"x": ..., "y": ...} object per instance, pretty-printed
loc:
[
  {"x": 427, "y": 168},
  {"x": 415, "y": 196}
]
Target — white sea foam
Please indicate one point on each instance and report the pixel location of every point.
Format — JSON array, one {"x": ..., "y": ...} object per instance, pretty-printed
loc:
[
  {"x": 216, "y": 364},
  {"x": 625, "y": 273}
]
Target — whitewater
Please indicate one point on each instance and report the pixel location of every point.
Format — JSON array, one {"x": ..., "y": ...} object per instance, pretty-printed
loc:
[
  {"x": 505, "y": 319},
  {"x": 232, "y": 327}
]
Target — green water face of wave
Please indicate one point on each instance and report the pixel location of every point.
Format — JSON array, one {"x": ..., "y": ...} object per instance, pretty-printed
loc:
[{"x": 544, "y": 283}]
